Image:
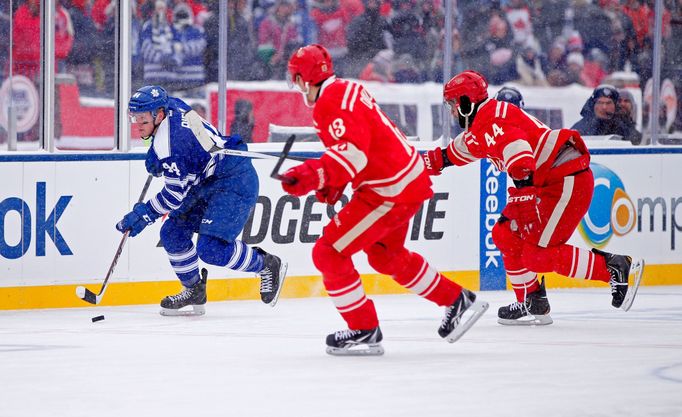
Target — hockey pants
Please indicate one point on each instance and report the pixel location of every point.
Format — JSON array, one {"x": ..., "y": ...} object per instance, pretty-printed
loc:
[
  {"x": 379, "y": 229},
  {"x": 561, "y": 205}
]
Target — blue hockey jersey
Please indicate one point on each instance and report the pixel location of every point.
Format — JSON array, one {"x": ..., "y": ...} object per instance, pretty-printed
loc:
[{"x": 179, "y": 153}]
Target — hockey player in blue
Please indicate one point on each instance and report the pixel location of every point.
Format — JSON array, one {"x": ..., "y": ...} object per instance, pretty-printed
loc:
[{"x": 207, "y": 193}]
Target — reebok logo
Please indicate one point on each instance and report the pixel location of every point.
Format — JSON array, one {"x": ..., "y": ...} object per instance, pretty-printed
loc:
[{"x": 35, "y": 223}]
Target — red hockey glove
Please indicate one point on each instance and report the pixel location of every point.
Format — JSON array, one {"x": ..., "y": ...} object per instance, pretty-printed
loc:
[
  {"x": 307, "y": 177},
  {"x": 434, "y": 161},
  {"x": 329, "y": 195},
  {"x": 522, "y": 207}
]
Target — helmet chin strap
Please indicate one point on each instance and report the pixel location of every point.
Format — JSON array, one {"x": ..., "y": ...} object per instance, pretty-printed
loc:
[
  {"x": 466, "y": 116},
  {"x": 307, "y": 103},
  {"x": 305, "y": 95}
]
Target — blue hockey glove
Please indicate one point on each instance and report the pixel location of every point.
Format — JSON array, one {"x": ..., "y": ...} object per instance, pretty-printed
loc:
[
  {"x": 152, "y": 164},
  {"x": 232, "y": 142},
  {"x": 135, "y": 221}
]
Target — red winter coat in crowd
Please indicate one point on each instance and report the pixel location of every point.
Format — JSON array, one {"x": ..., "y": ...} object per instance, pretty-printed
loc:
[
  {"x": 26, "y": 33},
  {"x": 643, "y": 21},
  {"x": 331, "y": 24},
  {"x": 100, "y": 12}
]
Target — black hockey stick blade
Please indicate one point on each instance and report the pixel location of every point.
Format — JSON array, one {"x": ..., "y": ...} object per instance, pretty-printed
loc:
[
  {"x": 284, "y": 155},
  {"x": 86, "y": 295}
]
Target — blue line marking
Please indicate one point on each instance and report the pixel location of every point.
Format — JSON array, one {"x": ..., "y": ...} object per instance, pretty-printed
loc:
[
  {"x": 635, "y": 151},
  {"x": 114, "y": 156},
  {"x": 73, "y": 157},
  {"x": 56, "y": 157}
]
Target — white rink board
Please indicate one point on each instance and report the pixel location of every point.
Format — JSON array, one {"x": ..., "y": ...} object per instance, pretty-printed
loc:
[
  {"x": 654, "y": 177},
  {"x": 454, "y": 251},
  {"x": 102, "y": 191}
]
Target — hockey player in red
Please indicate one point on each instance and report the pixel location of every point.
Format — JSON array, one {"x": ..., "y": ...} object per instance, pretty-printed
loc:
[
  {"x": 553, "y": 190},
  {"x": 390, "y": 183}
]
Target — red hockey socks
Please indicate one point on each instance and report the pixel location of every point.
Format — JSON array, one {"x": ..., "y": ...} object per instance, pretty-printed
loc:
[{"x": 426, "y": 282}]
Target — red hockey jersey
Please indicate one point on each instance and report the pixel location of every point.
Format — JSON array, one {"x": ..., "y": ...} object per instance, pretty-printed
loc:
[
  {"x": 517, "y": 142},
  {"x": 365, "y": 147}
]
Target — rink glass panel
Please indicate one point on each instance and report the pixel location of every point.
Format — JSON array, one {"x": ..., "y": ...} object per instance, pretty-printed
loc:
[
  {"x": 20, "y": 101},
  {"x": 485, "y": 39},
  {"x": 86, "y": 81},
  {"x": 169, "y": 48}
]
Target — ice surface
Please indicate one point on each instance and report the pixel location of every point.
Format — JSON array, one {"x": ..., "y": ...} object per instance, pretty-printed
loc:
[{"x": 247, "y": 359}]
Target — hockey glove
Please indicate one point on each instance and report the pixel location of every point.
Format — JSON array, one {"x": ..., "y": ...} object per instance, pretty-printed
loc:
[
  {"x": 329, "y": 195},
  {"x": 522, "y": 207},
  {"x": 135, "y": 221},
  {"x": 232, "y": 141},
  {"x": 152, "y": 164},
  {"x": 433, "y": 160},
  {"x": 307, "y": 177}
]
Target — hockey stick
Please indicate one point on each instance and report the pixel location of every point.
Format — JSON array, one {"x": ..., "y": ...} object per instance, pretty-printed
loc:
[
  {"x": 258, "y": 155},
  {"x": 209, "y": 144},
  {"x": 89, "y": 296},
  {"x": 284, "y": 155}
]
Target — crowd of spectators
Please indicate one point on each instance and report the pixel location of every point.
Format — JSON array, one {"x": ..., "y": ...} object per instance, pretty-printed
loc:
[
  {"x": 609, "y": 111},
  {"x": 528, "y": 42}
]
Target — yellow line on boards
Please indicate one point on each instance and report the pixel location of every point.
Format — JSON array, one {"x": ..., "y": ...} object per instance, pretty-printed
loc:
[{"x": 129, "y": 293}]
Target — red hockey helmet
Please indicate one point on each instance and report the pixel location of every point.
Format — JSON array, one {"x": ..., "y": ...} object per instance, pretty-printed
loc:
[
  {"x": 313, "y": 63},
  {"x": 468, "y": 84}
]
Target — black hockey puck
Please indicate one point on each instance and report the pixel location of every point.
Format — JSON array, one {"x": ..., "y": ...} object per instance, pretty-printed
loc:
[{"x": 98, "y": 318}]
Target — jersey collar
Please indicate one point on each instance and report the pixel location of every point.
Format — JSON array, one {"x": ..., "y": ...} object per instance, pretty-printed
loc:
[
  {"x": 324, "y": 85},
  {"x": 480, "y": 106},
  {"x": 161, "y": 139}
]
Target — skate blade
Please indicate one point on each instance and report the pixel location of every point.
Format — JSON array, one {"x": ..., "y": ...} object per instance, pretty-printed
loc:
[
  {"x": 372, "y": 349},
  {"x": 196, "y": 310},
  {"x": 478, "y": 308},
  {"x": 538, "y": 320},
  {"x": 637, "y": 269},
  {"x": 282, "y": 275}
]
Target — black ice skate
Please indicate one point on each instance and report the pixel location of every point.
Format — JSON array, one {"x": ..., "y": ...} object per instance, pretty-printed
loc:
[
  {"x": 534, "y": 311},
  {"x": 195, "y": 297},
  {"x": 454, "y": 324},
  {"x": 355, "y": 342},
  {"x": 620, "y": 267},
  {"x": 271, "y": 277}
]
